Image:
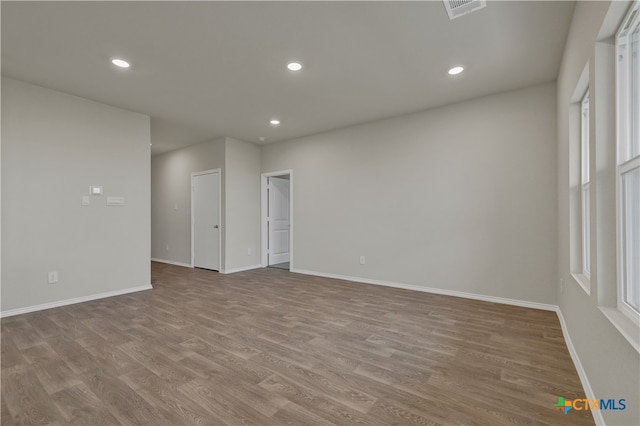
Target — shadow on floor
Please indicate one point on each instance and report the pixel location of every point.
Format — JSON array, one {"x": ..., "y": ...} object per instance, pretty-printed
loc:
[{"x": 284, "y": 265}]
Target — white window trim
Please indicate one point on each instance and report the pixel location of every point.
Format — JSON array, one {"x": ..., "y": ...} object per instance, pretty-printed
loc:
[
  {"x": 583, "y": 281},
  {"x": 584, "y": 277},
  {"x": 586, "y": 235},
  {"x": 626, "y": 327},
  {"x": 623, "y": 306},
  {"x": 623, "y": 162},
  {"x": 622, "y": 79}
]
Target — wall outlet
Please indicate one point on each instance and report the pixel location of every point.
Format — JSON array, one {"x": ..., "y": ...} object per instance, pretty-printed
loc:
[
  {"x": 249, "y": 251},
  {"x": 166, "y": 247},
  {"x": 362, "y": 260},
  {"x": 175, "y": 206},
  {"x": 53, "y": 277}
]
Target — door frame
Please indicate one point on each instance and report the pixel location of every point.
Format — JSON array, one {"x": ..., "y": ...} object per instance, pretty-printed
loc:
[
  {"x": 193, "y": 175},
  {"x": 264, "y": 212}
]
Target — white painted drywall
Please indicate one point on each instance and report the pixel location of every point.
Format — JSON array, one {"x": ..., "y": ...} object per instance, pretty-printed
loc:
[
  {"x": 0, "y": 179},
  {"x": 242, "y": 238},
  {"x": 171, "y": 198},
  {"x": 611, "y": 364},
  {"x": 459, "y": 198},
  {"x": 171, "y": 177},
  {"x": 54, "y": 146}
]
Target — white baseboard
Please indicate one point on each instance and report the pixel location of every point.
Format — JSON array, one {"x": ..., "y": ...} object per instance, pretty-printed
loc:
[
  {"x": 597, "y": 414},
  {"x": 26, "y": 310},
  {"x": 171, "y": 262},
  {"x": 241, "y": 269},
  {"x": 494, "y": 299}
]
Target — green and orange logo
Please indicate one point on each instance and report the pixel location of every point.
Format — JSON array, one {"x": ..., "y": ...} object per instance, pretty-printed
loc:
[{"x": 563, "y": 405}]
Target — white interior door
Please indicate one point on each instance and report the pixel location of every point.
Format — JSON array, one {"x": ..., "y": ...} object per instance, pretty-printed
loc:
[
  {"x": 205, "y": 202},
  {"x": 279, "y": 222}
]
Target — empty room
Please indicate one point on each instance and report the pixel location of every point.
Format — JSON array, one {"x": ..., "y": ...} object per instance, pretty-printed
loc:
[{"x": 320, "y": 212}]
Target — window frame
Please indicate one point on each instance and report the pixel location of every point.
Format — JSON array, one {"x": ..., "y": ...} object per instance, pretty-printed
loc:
[
  {"x": 625, "y": 162},
  {"x": 585, "y": 194}
]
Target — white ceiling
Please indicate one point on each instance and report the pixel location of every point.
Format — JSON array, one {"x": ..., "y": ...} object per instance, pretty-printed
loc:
[{"x": 203, "y": 70}]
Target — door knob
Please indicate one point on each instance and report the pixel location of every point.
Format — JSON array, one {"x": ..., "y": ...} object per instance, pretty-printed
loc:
[{"x": 215, "y": 226}]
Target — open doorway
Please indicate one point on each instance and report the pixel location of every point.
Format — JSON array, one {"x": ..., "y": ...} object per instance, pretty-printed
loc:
[{"x": 277, "y": 218}]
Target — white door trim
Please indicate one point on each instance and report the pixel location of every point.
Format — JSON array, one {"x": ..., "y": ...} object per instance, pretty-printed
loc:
[
  {"x": 206, "y": 172},
  {"x": 264, "y": 212}
]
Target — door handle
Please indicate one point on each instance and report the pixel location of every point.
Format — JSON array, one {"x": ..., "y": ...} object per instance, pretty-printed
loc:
[{"x": 215, "y": 226}]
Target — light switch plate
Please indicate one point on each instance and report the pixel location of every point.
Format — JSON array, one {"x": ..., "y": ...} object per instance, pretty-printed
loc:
[
  {"x": 95, "y": 190},
  {"x": 86, "y": 200}
]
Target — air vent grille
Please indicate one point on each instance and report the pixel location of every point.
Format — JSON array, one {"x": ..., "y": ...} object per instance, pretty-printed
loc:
[{"x": 458, "y": 8}]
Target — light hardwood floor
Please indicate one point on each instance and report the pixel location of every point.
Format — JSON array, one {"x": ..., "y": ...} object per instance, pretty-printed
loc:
[{"x": 269, "y": 347}]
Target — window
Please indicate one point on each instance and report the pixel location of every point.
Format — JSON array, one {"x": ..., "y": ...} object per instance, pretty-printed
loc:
[
  {"x": 580, "y": 183},
  {"x": 584, "y": 185},
  {"x": 628, "y": 163}
]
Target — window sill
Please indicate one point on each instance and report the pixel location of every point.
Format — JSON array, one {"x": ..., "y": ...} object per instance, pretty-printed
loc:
[
  {"x": 583, "y": 281},
  {"x": 626, "y": 327}
]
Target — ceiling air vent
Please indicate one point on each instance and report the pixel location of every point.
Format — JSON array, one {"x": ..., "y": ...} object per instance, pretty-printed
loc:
[{"x": 457, "y": 8}]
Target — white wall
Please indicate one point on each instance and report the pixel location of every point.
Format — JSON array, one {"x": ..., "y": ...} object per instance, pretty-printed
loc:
[
  {"x": 54, "y": 146},
  {"x": 242, "y": 205},
  {"x": 458, "y": 198},
  {"x": 171, "y": 186},
  {"x": 171, "y": 198},
  {"x": 610, "y": 362}
]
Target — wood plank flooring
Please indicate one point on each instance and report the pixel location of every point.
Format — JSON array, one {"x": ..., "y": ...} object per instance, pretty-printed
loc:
[{"x": 269, "y": 347}]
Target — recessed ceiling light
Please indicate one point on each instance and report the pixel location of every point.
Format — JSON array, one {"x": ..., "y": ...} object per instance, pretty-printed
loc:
[
  {"x": 261, "y": 138},
  {"x": 455, "y": 70},
  {"x": 274, "y": 122},
  {"x": 120, "y": 63},
  {"x": 294, "y": 66}
]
